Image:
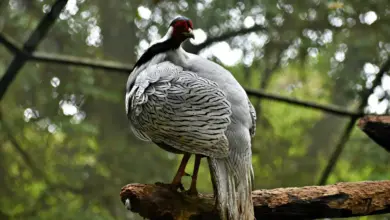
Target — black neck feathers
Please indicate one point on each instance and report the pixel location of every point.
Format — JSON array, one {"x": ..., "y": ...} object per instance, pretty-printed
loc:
[{"x": 161, "y": 47}]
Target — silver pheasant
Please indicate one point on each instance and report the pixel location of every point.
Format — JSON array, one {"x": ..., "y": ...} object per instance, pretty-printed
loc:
[{"x": 189, "y": 105}]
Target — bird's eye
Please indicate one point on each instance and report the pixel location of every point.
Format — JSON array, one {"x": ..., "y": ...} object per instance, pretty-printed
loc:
[{"x": 190, "y": 24}]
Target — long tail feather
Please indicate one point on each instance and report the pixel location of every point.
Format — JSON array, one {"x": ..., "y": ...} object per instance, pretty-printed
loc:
[{"x": 232, "y": 189}]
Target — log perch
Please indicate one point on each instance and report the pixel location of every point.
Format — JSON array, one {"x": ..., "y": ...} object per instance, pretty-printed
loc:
[
  {"x": 377, "y": 127},
  {"x": 157, "y": 202}
]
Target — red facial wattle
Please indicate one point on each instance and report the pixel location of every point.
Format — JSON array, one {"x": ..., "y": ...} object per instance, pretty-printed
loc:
[{"x": 182, "y": 29}]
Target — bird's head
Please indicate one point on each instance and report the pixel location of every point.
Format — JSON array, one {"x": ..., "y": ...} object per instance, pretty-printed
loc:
[{"x": 180, "y": 29}]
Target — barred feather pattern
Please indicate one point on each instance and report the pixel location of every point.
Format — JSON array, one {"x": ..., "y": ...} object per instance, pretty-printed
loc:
[
  {"x": 232, "y": 176},
  {"x": 252, "y": 131},
  {"x": 169, "y": 105},
  {"x": 233, "y": 179},
  {"x": 252, "y": 112}
]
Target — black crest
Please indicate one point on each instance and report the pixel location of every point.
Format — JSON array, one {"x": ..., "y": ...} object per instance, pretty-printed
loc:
[{"x": 179, "y": 18}]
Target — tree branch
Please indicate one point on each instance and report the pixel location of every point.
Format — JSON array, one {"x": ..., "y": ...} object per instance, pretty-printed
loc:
[
  {"x": 377, "y": 128},
  {"x": 350, "y": 125},
  {"x": 326, "y": 108},
  {"x": 26, "y": 158},
  {"x": 82, "y": 62},
  {"x": 10, "y": 44},
  {"x": 29, "y": 46},
  {"x": 126, "y": 69},
  {"x": 333, "y": 201},
  {"x": 197, "y": 48}
]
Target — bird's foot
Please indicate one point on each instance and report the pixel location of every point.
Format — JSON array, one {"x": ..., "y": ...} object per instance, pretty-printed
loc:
[
  {"x": 171, "y": 186},
  {"x": 175, "y": 185},
  {"x": 192, "y": 192}
]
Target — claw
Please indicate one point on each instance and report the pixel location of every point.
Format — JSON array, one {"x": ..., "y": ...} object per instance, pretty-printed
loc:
[
  {"x": 127, "y": 204},
  {"x": 192, "y": 192},
  {"x": 159, "y": 184},
  {"x": 181, "y": 187}
]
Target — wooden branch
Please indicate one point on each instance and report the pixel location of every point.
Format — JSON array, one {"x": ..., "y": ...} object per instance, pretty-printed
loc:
[
  {"x": 332, "y": 201},
  {"x": 377, "y": 127},
  {"x": 326, "y": 108}
]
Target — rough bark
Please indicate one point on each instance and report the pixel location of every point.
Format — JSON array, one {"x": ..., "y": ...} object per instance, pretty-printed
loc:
[
  {"x": 339, "y": 200},
  {"x": 377, "y": 127}
]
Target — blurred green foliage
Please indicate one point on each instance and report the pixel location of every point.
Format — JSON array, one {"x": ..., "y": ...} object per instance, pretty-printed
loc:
[{"x": 65, "y": 145}]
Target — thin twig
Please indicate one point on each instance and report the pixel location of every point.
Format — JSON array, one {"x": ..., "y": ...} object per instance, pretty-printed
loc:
[
  {"x": 326, "y": 108},
  {"x": 10, "y": 44},
  {"x": 196, "y": 48},
  {"x": 24, "y": 155},
  {"x": 81, "y": 61},
  {"x": 30, "y": 45}
]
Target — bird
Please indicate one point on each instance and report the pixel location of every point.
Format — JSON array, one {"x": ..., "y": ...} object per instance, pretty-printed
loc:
[{"x": 189, "y": 105}]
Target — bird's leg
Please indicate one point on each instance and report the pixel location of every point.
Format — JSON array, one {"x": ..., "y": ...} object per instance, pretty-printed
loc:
[
  {"x": 176, "y": 183},
  {"x": 193, "y": 190}
]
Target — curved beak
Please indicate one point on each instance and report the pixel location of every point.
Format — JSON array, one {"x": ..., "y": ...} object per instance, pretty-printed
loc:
[{"x": 190, "y": 33}]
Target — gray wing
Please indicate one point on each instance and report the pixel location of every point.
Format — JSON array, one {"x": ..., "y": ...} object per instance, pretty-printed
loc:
[
  {"x": 252, "y": 131},
  {"x": 252, "y": 110},
  {"x": 179, "y": 108}
]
